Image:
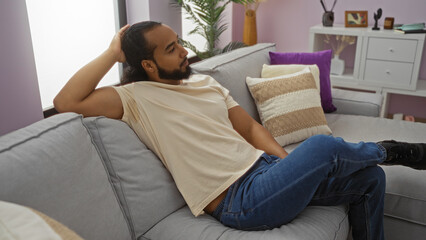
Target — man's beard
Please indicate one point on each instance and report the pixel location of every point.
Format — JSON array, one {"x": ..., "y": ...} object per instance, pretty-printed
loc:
[{"x": 175, "y": 74}]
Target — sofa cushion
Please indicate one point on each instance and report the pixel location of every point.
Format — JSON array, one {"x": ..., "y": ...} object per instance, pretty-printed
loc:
[
  {"x": 405, "y": 197},
  {"x": 322, "y": 59},
  {"x": 145, "y": 188},
  {"x": 53, "y": 167},
  {"x": 315, "y": 222},
  {"x": 232, "y": 68},
  {"x": 357, "y": 103},
  {"x": 289, "y": 106}
]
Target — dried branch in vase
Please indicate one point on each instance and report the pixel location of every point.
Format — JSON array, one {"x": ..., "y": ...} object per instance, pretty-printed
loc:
[
  {"x": 339, "y": 42},
  {"x": 253, "y": 6}
]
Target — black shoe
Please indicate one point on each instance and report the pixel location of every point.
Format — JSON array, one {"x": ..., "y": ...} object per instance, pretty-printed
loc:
[{"x": 407, "y": 154}]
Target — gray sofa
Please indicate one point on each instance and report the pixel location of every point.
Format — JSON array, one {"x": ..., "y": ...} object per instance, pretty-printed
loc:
[{"x": 96, "y": 177}]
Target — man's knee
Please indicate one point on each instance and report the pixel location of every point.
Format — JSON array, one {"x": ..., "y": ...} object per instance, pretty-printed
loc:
[
  {"x": 380, "y": 176},
  {"x": 323, "y": 141},
  {"x": 377, "y": 177}
]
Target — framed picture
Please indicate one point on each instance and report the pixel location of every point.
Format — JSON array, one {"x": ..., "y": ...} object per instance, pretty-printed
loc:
[{"x": 356, "y": 18}]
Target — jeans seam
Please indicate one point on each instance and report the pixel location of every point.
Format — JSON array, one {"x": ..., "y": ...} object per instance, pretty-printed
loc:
[
  {"x": 367, "y": 222},
  {"x": 319, "y": 197},
  {"x": 234, "y": 188},
  {"x": 231, "y": 198},
  {"x": 363, "y": 160}
]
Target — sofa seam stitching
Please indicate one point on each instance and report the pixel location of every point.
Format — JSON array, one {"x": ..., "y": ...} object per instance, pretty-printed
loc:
[
  {"x": 149, "y": 229},
  {"x": 358, "y": 101},
  {"x": 405, "y": 196},
  {"x": 40, "y": 133},
  {"x": 243, "y": 55},
  {"x": 129, "y": 225},
  {"x": 223, "y": 232},
  {"x": 363, "y": 102},
  {"x": 341, "y": 222},
  {"x": 131, "y": 222},
  {"x": 405, "y": 219}
]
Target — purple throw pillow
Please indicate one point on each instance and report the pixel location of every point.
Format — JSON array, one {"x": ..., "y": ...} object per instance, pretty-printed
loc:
[{"x": 322, "y": 59}]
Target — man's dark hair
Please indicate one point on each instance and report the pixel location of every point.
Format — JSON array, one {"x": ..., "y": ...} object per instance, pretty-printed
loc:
[{"x": 136, "y": 48}]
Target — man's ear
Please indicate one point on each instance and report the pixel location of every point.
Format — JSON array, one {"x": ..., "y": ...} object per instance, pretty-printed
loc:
[{"x": 148, "y": 66}]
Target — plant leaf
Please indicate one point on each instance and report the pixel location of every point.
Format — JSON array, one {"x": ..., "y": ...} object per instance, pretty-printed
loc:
[
  {"x": 232, "y": 46},
  {"x": 207, "y": 17}
]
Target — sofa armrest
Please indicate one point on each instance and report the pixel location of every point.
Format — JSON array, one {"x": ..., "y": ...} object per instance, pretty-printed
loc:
[{"x": 357, "y": 103}]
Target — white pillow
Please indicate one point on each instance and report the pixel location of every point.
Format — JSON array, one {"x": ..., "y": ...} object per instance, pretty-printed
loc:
[
  {"x": 269, "y": 71},
  {"x": 289, "y": 106},
  {"x": 18, "y": 222}
]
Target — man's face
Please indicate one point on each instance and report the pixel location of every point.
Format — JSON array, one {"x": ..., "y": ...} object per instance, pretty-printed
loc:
[
  {"x": 169, "y": 56},
  {"x": 177, "y": 74}
]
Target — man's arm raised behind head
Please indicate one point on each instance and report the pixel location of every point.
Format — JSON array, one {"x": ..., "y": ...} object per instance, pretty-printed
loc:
[{"x": 79, "y": 94}]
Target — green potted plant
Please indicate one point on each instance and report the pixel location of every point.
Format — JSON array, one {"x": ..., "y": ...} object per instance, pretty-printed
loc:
[{"x": 207, "y": 16}]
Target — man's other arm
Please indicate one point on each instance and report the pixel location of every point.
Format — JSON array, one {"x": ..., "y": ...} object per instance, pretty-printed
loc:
[{"x": 254, "y": 133}]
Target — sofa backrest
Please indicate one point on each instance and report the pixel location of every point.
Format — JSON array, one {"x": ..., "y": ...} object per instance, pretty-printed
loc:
[
  {"x": 145, "y": 189},
  {"x": 54, "y": 167},
  {"x": 231, "y": 69},
  {"x": 93, "y": 175}
]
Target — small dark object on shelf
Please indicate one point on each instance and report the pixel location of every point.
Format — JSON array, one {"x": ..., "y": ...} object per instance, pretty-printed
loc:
[
  {"x": 388, "y": 23},
  {"x": 376, "y": 18},
  {"x": 328, "y": 16}
]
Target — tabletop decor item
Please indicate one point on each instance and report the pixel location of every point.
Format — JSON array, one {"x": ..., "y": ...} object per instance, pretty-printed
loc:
[
  {"x": 377, "y": 16},
  {"x": 250, "y": 29},
  {"x": 388, "y": 24},
  {"x": 208, "y": 19},
  {"x": 328, "y": 15},
  {"x": 338, "y": 43},
  {"x": 356, "y": 18}
]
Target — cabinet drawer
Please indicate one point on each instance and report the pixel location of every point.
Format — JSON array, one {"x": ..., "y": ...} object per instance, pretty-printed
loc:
[
  {"x": 392, "y": 49},
  {"x": 392, "y": 73}
]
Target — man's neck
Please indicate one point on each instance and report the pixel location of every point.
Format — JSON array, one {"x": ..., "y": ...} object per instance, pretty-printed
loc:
[{"x": 167, "y": 81}]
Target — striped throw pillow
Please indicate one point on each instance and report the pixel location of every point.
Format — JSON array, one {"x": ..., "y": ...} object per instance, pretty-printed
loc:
[
  {"x": 289, "y": 106},
  {"x": 269, "y": 71}
]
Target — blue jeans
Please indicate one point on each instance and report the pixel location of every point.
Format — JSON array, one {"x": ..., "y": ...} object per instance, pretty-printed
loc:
[{"x": 324, "y": 171}]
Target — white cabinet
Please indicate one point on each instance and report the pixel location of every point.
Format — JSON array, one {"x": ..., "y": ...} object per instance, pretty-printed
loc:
[
  {"x": 382, "y": 61},
  {"x": 390, "y": 61}
]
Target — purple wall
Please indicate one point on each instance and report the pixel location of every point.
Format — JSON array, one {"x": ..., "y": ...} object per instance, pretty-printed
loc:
[
  {"x": 287, "y": 23},
  {"x": 155, "y": 10},
  {"x": 20, "y": 103}
]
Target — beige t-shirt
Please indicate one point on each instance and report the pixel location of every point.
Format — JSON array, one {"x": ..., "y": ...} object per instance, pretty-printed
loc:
[{"x": 187, "y": 126}]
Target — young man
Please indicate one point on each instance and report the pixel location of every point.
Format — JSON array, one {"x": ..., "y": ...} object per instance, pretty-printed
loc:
[{"x": 224, "y": 162}]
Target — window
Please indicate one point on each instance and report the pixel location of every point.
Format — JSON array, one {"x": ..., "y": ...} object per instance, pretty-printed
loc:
[
  {"x": 66, "y": 35},
  {"x": 198, "y": 41}
]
